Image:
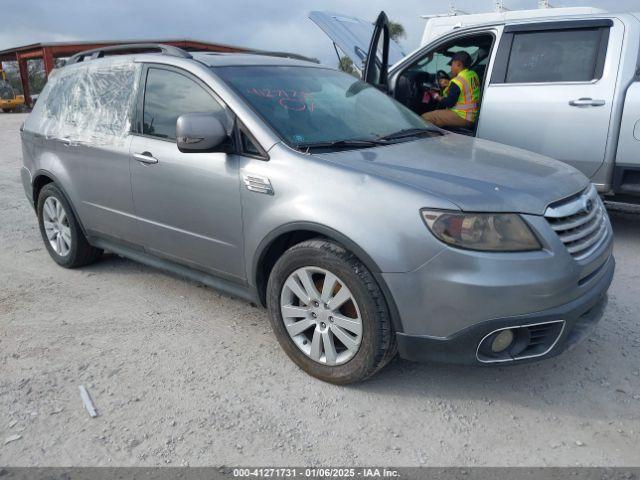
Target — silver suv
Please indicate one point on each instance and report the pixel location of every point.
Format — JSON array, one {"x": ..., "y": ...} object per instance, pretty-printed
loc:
[{"x": 364, "y": 230}]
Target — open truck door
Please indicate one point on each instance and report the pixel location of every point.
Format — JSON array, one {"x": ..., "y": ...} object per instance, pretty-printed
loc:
[{"x": 368, "y": 45}]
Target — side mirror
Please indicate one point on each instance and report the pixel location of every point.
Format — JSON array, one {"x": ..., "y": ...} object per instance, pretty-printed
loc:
[{"x": 199, "y": 132}]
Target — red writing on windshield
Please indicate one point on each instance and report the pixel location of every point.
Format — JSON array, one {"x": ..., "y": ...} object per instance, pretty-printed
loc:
[{"x": 296, "y": 100}]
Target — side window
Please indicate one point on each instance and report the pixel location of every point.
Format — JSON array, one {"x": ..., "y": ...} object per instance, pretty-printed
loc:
[
  {"x": 248, "y": 146},
  {"x": 170, "y": 94},
  {"x": 555, "y": 56},
  {"x": 60, "y": 95},
  {"x": 90, "y": 103},
  {"x": 433, "y": 62},
  {"x": 477, "y": 46},
  {"x": 415, "y": 86}
]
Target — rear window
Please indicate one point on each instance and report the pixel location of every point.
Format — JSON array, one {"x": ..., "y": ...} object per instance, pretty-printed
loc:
[{"x": 554, "y": 56}]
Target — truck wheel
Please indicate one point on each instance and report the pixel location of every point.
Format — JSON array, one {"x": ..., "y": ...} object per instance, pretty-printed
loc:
[
  {"x": 61, "y": 232},
  {"x": 329, "y": 314}
]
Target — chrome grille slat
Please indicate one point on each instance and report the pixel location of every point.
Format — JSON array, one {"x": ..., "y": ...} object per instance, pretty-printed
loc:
[
  {"x": 578, "y": 247},
  {"x": 587, "y": 229},
  {"x": 561, "y": 226},
  {"x": 580, "y": 223}
]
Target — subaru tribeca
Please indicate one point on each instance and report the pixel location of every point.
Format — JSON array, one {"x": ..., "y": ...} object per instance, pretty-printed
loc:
[{"x": 364, "y": 230}]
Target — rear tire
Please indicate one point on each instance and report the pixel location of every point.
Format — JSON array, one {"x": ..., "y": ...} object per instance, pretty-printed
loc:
[
  {"x": 61, "y": 231},
  {"x": 367, "y": 348}
]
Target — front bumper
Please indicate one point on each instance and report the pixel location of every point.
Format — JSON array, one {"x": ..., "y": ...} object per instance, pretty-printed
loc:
[{"x": 579, "y": 315}]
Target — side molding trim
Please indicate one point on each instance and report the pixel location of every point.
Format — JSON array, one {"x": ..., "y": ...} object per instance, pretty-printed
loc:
[{"x": 234, "y": 289}]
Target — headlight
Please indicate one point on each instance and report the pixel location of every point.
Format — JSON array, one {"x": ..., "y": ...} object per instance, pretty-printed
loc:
[{"x": 494, "y": 232}]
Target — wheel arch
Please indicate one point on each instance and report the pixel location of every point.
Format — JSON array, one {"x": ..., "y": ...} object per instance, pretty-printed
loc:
[
  {"x": 285, "y": 236},
  {"x": 39, "y": 181},
  {"x": 44, "y": 177}
]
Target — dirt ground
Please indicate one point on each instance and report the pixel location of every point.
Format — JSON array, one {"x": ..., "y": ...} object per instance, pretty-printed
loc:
[{"x": 183, "y": 375}]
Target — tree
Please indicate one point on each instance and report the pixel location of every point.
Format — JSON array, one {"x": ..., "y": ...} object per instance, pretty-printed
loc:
[
  {"x": 37, "y": 76},
  {"x": 13, "y": 76},
  {"x": 346, "y": 65},
  {"x": 35, "y": 69},
  {"x": 396, "y": 31}
]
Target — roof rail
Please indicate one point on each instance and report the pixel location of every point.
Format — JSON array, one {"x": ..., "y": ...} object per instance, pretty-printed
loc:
[
  {"x": 128, "y": 48},
  {"x": 293, "y": 56}
]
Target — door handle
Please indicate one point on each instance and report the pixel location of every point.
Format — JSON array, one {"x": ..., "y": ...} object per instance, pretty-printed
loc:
[
  {"x": 587, "y": 102},
  {"x": 146, "y": 158}
]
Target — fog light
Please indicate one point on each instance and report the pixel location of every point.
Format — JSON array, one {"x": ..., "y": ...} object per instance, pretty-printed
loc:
[{"x": 502, "y": 341}]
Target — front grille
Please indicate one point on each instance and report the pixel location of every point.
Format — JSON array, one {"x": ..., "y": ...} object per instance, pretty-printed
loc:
[
  {"x": 581, "y": 222},
  {"x": 541, "y": 338}
]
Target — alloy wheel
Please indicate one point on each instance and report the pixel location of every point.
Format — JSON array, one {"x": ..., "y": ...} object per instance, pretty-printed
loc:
[
  {"x": 56, "y": 226},
  {"x": 321, "y": 315}
]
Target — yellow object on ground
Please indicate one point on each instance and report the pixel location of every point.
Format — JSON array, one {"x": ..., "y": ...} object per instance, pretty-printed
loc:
[
  {"x": 11, "y": 104},
  {"x": 9, "y": 100}
]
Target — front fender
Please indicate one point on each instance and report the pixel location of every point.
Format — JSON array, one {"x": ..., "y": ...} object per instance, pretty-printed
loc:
[{"x": 379, "y": 218}]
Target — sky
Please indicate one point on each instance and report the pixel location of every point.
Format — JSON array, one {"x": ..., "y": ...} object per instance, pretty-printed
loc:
[{"x": 265, "y": 24}]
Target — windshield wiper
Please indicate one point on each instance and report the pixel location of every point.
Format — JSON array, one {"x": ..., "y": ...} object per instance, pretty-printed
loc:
[
  {"x": 410, "y": 132},
  {"x": 364, "y": 143}
]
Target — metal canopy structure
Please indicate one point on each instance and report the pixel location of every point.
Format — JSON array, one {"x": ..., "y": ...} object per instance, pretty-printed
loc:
[{"x": 48, "y": 52}]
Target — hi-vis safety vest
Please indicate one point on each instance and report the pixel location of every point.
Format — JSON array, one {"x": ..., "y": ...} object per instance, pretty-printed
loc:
[{"x": 467, "y": 105}]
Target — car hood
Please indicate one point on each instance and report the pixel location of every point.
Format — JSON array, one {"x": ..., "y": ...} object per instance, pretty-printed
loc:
[{"x": 477, "y": 175}]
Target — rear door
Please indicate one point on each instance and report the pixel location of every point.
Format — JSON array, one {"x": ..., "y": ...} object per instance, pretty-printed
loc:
[
  {"x": 188, "y": 204},
  {"x": 85, "y": 122},
  {"x": 551, "y": 90},
  {"x": 355, "y": 36}
]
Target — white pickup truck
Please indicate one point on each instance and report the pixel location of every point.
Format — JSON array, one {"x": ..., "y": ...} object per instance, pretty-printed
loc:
[{"x": 561, "y": 82}]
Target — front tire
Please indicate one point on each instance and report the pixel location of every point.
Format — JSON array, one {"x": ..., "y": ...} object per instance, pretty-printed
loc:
[
  {"x": 329, "y": 314},
  {"x": 61, "y": 231}
]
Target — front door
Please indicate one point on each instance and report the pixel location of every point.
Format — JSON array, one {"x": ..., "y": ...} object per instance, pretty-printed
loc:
[
  {"x": 188, "y": 204},
  {"x": 551, "y": 90}
]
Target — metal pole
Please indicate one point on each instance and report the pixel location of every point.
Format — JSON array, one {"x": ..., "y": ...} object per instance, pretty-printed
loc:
[
  {"x": 24, "y": 79},
  {"x": 47, "y": 57}
]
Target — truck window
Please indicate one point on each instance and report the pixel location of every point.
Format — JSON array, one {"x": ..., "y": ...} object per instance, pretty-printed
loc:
[
  {"x": 416, "y": 84},
  {"x": 554, "y": 56}
]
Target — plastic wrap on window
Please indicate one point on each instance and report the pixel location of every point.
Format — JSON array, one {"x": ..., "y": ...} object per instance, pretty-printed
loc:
[{"x": 88, "y": 103}]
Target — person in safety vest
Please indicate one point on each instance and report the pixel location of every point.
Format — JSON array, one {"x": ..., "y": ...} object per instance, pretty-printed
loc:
[{"x": 459, "y": 106}]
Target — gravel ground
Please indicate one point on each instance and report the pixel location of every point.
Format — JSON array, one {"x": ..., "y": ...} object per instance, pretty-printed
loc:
[{"x": 183, "y": 375}]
